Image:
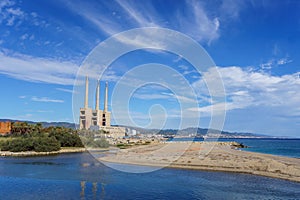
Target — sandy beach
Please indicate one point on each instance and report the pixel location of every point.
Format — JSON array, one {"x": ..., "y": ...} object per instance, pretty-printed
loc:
[{"x": 217, "y": 156}]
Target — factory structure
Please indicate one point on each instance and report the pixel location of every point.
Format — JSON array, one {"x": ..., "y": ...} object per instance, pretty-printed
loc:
[{"x": 97, "y": 119}]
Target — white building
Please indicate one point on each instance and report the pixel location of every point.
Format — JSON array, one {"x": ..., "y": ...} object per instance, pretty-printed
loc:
[{"x": 98, "y": 119}]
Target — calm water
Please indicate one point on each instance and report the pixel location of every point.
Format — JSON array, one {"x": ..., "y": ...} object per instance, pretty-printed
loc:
[
  {"x": 79, "y": 176},
  {"x": 282, "y": 147}
]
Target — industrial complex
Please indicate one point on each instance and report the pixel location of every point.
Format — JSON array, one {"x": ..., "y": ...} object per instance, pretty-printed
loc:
[{"x": 97, "y": 119}]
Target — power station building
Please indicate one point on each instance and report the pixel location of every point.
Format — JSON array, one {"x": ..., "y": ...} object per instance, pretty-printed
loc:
[{"x": 98, "y": 119}]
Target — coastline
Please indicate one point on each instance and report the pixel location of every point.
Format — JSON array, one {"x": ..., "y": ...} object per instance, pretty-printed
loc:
[
  {"x": 221, "y": 156},
  {"x": 33, "y": 153}
]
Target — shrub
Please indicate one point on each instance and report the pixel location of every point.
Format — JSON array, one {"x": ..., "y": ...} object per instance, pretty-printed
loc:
[
  {"x": 102, "y": 143},
  {"x": 66, "y": 139},
  {"x": 46, "y": 144},
  {"x": 90, "y": 142},
  {"x": 38, "y": 144},
  {"x": 26, "y": 137},
  {"x": 18, "y": 144}
]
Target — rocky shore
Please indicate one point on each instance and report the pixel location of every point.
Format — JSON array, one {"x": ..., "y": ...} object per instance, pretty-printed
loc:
[{"x": 215, "y": 156}]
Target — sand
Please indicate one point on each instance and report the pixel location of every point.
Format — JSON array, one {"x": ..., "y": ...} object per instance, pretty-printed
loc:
[{"x": 214, "y": 156}]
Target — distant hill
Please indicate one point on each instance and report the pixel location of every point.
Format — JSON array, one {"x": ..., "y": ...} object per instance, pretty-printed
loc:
[
  {"x": 167, "y": 132},
  {"x": 44, "y": 124},
  {"x": 198, "y": 132}
]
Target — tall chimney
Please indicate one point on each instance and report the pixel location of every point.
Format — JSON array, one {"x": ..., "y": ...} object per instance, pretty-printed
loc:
[
  {"x": 86, "y": 99},
  {"x": 106, "y": 97},
  {"x": 97, "y": 95}
]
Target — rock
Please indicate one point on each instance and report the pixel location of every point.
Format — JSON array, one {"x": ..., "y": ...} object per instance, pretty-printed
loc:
[{"x": 238, "y": 145}]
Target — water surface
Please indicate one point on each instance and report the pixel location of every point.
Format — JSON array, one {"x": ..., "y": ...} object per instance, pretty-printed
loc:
[{"x": 79, "y": 176}]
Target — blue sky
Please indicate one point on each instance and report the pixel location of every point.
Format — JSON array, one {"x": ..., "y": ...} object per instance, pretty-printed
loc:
[{"x": 255, "y": 45}]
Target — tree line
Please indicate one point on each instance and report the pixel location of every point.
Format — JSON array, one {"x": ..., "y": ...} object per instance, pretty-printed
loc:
[{"x": 34, "y": 137}]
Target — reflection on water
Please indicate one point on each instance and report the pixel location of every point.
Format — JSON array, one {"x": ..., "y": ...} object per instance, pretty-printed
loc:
[
  {"x": 94, "y": 190},
  {"x": 82, "y": 184},
  {"x": 38, "y": 163},
  {"x": 80, "y": 176}
]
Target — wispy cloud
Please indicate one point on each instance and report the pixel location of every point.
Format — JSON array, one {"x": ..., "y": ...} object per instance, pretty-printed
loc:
[
  {"x": 230, "y": 9},
  {"x": 275, "y": 63},
  {"x": 92, "y": 13},
  {"x": 164, "y": 95},
  {"x": 151, "y": 96},
  {"x": 137, "y": 13},
  {"x": 197, "y": 23},
  {"x": 46, "y": 100},
  {"x": 283, "y": 61},
  {"x": 44, "y": 111},
  {"x": 124, "y": 15},
  {"x": 192, "y": 19},
  {"x": 65, "y": 90},
  {"x": 9, "y": 14},
  {"x": 35, "y": 69}
]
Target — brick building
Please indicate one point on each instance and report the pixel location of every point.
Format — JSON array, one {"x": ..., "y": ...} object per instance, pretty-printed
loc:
[{"x": 5, "y": 128}]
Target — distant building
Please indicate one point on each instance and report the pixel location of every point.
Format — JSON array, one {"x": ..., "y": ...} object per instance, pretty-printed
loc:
[
  {"x": 5, "y": 128},
  {"x": 130, "y": 132},
  {"x": 98, "y": 119}
]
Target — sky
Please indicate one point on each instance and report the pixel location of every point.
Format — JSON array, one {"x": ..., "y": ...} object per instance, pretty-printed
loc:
[{"x": 255, "y": 45}]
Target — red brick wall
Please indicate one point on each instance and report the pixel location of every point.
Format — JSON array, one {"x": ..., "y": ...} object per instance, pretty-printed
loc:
[{"x": 5, "y": 128}]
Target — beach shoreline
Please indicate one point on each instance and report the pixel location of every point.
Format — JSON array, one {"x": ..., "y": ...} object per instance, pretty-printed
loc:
[
  {"x": 221, "y": 157},
  {"x": 34, "y": 153}
]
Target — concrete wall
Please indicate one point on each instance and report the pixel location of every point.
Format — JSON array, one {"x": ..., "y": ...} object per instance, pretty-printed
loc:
[{"x": 85, "y": 120}]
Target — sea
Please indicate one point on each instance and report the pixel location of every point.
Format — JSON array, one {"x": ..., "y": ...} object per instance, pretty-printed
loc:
[
  {"x": 289, "y": 147},
  {"x": 80, "y": 176}
]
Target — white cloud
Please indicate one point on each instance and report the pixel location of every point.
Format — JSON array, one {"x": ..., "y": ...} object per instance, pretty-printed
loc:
[
  {"x": 274, "y": 63},
  {"x": 181, "y": 98},
  {"x": 151, "y": 96},
  {"x": 197, "y": 23},
  {"x": 24, "y": 37},
  {"x": 138, "y": 13},
  {"x": 6, "y": 3},
  {"x": 42, "y": 70},
  {"x": 46, "y": 100},
  {"x": 177, "y": 59},
  {"x": 65, "y": 90},
  {"x": 267, "y": 65},
  {"x": 283, "y": 61},
  {"x": 10, "y": 15},
  {"x": 192, "y": 19},
  {"x": 231, "y": 8},
  {"x": 44, "y": 111},
  {"x": 183, "y": 67},
  {"x": 92, "y": 14},
  {"x": 246, "y": 88}
]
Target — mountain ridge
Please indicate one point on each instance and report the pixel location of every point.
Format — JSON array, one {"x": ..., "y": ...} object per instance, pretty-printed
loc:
[{"x": 187, "y": 131}]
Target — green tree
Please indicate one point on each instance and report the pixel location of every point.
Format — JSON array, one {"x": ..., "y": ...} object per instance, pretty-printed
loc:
[
  {"x": 46, "y": 144},
  {"x": 67, "y": 137}
]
